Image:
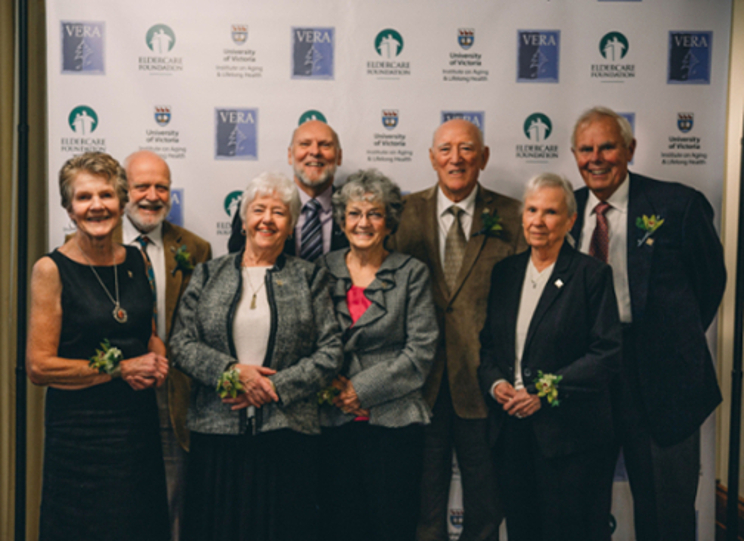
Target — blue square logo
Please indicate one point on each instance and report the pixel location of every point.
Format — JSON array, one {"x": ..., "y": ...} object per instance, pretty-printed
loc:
[
  {"x": 689, "y": 58},
  {"x": 476, "y": 117},
  {"x": 538, "y": 52},
  {"x": 236, "y": 134},
  {"x": 175, "y": 216},
  {"x": 312, "y": 53},
  {"x": 83, "y": 47}
]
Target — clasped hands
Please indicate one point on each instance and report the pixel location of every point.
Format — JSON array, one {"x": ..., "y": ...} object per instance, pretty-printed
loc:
[
  {"x": 258, "y": 389},
  {"x": 519, "y": 403},
  {"x": 145, "y": 371},
  {"x": 347, "y": 399}
]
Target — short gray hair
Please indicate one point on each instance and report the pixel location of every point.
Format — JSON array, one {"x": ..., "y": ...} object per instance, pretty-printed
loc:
[
  {"x": 272, "y": 184},
  {"x": 598, "y": 112},
  {"x": 551, "y": 180},
  {"x": 94, "y": 163},
  {"x": 372, "y": 186}
]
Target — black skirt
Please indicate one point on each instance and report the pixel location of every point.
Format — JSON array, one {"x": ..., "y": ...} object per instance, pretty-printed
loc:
[{"x": 251, "y": 488}]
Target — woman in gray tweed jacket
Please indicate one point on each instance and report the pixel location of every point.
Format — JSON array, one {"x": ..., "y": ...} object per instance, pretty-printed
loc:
[
  {"x": 373, "y": 430},
  {"x": 264, "y": 320}
]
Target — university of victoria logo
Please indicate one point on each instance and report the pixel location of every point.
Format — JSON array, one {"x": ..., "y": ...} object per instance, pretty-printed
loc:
[
  {"x": 689, "y": 57},
  {"x": 466, "y": 37},
  {"x": 239, "y": 34},
  {"x": 476, "y": 117},
  {"x": 685, "y": 121},
  {"x": 311, "y": 114},
  {"x": 389, "y": 118},
  {"x": 83, "y": 120},
  {"x": 389, "y": 43},
  {"x": 236, "y": 134},
  {"x": 162, "y": 114},
  {"x": 538, "y": 53},
  {"x": 160, "y": 39},
  {"x": 312, "y": 53},
  {"x": 83, "y": 47}
]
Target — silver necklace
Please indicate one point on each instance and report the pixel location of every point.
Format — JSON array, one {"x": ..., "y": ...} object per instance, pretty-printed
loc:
[{"x": 119, "y": 313}]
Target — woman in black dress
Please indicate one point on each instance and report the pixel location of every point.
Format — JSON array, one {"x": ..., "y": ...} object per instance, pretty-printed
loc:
[{"x": 103, "y": 467}]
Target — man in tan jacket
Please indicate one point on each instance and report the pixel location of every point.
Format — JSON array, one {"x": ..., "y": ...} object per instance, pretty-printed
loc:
[{"x": 460, "y": 230}]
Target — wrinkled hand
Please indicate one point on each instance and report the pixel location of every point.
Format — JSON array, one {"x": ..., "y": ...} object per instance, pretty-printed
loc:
[
  {"x": 145, "y": 371},
  {"x": 522, "y": 404},
  {"x": 257, "y": 386},
  {"x": 347, "y": 400},
  {"x": 503, "y": 392}
]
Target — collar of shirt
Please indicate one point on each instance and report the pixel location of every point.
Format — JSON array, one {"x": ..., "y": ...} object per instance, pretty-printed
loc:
[
  {"x": 467, "y": 204},
  {"x": 618, "y": 200},
  {"x": 130, "y": 233},
  {"x": 324, "y": 199}
]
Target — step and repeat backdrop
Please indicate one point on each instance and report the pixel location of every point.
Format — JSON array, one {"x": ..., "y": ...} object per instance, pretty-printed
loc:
[{"x": 217, "y": 89}]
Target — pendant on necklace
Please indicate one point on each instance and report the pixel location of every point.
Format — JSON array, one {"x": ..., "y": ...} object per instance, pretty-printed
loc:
[
  {"x": 120, "y": 314},
  {"x": 253, "y": 302}
]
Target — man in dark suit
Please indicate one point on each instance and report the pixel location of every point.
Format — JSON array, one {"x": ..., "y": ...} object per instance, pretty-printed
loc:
[
  {"x": 448, "y": 227},
  {"x": 314, "y": 153},
  {"x": 669, "y": 278},
  {"x": 165, "y": 244}
]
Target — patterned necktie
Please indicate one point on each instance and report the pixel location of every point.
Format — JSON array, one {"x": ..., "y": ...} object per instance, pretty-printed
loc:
[
  {"x": 454, "y": 248},
  {"x": 311, "y": 234},
  {"x": 599, "y": 245},
  {"x": 143, "y": 241}
]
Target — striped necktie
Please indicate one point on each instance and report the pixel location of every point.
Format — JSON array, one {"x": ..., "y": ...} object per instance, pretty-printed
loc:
[
  {"x": 143, "y": 241},
  {"x": 311, "y": 234},
  {"x": 599, "y": 246},
  {"x": 454, "y": 249}
]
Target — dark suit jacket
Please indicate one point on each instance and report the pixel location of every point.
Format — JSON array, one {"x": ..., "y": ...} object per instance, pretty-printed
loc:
[
  {"x": 461, "y": 313},
  {"x": 237, "y": 239},
  {"x": 574, "y": 332},
  {"x": 676, "y": 280},
  {"x": 179, "y": 385}
]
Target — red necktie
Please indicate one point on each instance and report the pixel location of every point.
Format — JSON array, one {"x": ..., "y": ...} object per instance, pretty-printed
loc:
[{"x": 599, "y": 246}]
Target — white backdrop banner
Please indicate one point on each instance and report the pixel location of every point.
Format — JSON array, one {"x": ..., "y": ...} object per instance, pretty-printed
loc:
[{"x": 217, "y": 88}]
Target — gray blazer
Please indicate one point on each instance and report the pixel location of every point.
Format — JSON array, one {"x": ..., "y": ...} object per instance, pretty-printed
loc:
[
  {"x": 390, "y": 349},
  {"x": 304, "y": 344}
]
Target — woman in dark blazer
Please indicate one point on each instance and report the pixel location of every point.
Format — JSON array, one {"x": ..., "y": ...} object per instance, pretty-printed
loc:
[
  {"x": 549, "y": 348},
  {"x": 373, "y": 430}
]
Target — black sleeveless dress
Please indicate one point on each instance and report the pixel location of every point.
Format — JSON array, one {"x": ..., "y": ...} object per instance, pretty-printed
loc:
[{"x": 103, "y": 466}]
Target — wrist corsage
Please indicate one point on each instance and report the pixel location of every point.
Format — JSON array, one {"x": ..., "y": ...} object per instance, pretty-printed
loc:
[
  {"x": 229, "y": 384},
  {"x": 107, "y": 359},
  {"x": 327, "y": 395},
  {"x": 547, "y": 386}
]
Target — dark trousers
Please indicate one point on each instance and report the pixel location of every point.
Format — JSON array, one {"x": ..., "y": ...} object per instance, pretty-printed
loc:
[
  {"x": 550, "y": 498},
  {"x": 663, "y": 480},
  {"x": 482, "y": 511},
  {"x": 370, "y": 480}
]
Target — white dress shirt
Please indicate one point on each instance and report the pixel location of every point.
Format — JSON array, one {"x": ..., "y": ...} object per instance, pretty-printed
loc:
[
  {"x": 617, "y": 223},
  {"x": 326, "y": 218},
  {"x": 446, "y": 218},
  {"x": 156, "y": 253}
]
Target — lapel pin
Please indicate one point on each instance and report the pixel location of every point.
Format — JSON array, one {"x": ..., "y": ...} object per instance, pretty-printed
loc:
[
  {"x": 130, "y": 274},
  {"x": 559, "y": 283},
  {"x": 650, "y": 241},
  {"x": 279, "y": 283}
]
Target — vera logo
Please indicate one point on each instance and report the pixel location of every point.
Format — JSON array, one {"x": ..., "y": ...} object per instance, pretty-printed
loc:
[
  {"x": 476, "y": 117},
  {"x": 538, "y": 55},
  {"x": 160, "y": 39},
  {"x": 312, "y": 114},
  {"x": 537, "y": 127},
  {"x": 83, "y": 120},
  {"x": 466, "y": 37},
  {"x": 390, "y": 118},
  {"x": 689, "y": 57},
  {"x": 389, "y": 43},
  {"x": 83, "y": 47},
  {"x": 239, "y": 34},
  {"x": 175, "y": 215},
  {"x": 232, "y": 203},
  {"x": 312, "y": 53},
  {"x": 685, "y": 121},
  {"x": 236, "y": 134},
  {"x": 162, "y": 114},
  {"x": 613, "y": 46}
]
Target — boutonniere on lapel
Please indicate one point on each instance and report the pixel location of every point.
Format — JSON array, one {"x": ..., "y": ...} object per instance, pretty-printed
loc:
[
  {"x": 491, "y": 224},
  {"x": 547, "y": 386},
  {"x": 183, "y": 261},
  {"x": 649, "y": 224}
]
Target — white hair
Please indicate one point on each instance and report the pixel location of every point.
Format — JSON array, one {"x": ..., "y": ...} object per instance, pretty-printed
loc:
[{"x": 272, "y": 184}]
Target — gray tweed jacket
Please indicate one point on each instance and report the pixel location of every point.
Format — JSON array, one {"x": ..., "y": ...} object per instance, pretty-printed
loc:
[
  {"x": 304, "y": 344},
  {"x": 390, "y": 349}
]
